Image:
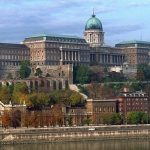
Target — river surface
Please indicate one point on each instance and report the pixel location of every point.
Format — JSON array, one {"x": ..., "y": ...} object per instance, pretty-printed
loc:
[{"x": 87, "y": 145}]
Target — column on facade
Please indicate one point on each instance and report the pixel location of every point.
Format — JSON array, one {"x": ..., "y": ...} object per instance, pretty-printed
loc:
[
  {"x": 61, "y": 54},
  {"x": 107, "y": 58},
  {"x": 122, "y": 59},
  {"x": 72, "y": 55},
  {"x": 110, "y": 59},
  {"x": 67, "y": 55},
  {"x": 57, "y": 85},
  {"x": 79, "y": 56},
  {"x": 75, "y": 56},
  {"x": 104, "y": 58},
  {"x": 117, "y": 59},
  {"x": 114, "y": 59},
  {"x": 99, "y": 58}
]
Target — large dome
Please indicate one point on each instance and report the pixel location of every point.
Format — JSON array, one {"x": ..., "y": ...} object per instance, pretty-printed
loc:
[{"x": 93, "y": 23}]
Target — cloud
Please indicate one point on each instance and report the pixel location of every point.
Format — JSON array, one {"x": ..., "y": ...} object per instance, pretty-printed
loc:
[
  {"x": 23, "y": 18},
  {"x": 123, "y": 29},
  {"x": 139, "y": 4}
]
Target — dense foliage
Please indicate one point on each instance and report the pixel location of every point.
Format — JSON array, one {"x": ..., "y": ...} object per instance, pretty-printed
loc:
[
  {"x": 24, "y": 69},
  {"x": 38, "y": 72},
  {"x": 137, "y": 118},
  {"x": 81, "y": 74},
  {"x": 112, "y": 119},
  {"x": 143, "y": 72}
]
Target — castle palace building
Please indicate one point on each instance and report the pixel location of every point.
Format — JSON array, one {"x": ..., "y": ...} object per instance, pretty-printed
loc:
[
  {"x": 101, "y": 54},
  {"x": 57, "y": 50},
  {"x": 62, "y": 49},
  {"x": 53, "y": 50},
  {"x": 11, "y": 55},
  {"x": 137, "y": 52}
]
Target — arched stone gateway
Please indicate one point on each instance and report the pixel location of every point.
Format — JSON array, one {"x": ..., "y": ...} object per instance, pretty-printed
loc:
[
  {"x": 16, "y": 118},
  {"x": 60, "y": 85},
  {"x": 66, "y": 84},
  {"x": 31, "y": 85},
  {"x": 48, "y": 84},
  {"x": 54, "y": 85},
  {"x": 36, "y": 85},
  {"x": 42, "y": 84}
]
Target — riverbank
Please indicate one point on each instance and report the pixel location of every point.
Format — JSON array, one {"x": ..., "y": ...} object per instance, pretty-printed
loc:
[{"x": 63, "y": 134}]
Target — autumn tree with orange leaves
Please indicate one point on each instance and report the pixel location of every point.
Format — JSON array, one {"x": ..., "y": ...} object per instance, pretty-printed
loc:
[{"x": 6, "y": 119}]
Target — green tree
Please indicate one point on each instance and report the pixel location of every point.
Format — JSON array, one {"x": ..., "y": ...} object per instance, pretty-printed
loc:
[
  {"x": 24, "y": 69},
  {"x": 5, "y": 95},
  {"x": 38, "y": 100},
  {"x": 112, "y": 119},
  {"x": 20, "y": 93},
  {"x": 76, "y": 99},
  {"x": 136, "y": 86},
  {"x": 9, "y": 76},
  {"x": 81, "y": 74},
  {"x": 143, "y": 70},
  {"x": 137, "y": 118},
  {"x": 38, "y": 72}
]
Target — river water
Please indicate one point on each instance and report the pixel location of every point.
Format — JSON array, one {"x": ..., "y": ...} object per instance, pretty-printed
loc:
[{"x": 87, "y": 145}]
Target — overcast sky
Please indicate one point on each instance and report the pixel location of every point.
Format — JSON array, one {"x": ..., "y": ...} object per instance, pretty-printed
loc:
[{"x": 122, "y": 19}]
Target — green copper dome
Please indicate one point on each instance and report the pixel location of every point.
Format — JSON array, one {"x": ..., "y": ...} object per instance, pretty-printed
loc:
[{"x": 93, "y": 23}]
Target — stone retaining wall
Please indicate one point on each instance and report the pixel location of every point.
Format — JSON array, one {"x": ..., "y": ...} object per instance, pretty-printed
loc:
[{"x": 14, "y": 136}]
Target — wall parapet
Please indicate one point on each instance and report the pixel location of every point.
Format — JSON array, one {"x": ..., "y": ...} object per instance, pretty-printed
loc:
[{"x": 57, "y": 134}]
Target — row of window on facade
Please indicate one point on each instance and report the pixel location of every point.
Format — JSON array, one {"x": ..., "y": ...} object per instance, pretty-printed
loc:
[
  {"x": 132, "y": 96},
  {"x": 136, "y": 103},
  {"x": 58, "y": 45},
  {"x": 104, "y": 58},
  {"x": 14, "y": 57},
  {"x": 104, "y": 109},
  {"x": 7, "y": 63},
  {"x": 16, "y": 51},
  {"x": 136, "y": 108},
  {"x": 76, "y": 46},
  {"x": 95, "y": 38},
  {"x": 58, "y": 39}
]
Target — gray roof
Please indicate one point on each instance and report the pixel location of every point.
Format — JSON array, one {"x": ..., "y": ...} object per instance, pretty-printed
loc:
[
  {"x": 55, "y": 38},
  {"x": 11, "y": 45},
  {"x": 133, "y": 44}
]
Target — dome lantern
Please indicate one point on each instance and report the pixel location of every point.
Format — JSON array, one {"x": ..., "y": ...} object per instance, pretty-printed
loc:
[{"x": 93, "y": 33}]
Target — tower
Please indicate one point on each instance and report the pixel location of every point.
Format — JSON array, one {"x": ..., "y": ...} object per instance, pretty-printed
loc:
[{"x": 93, "y": 33}]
